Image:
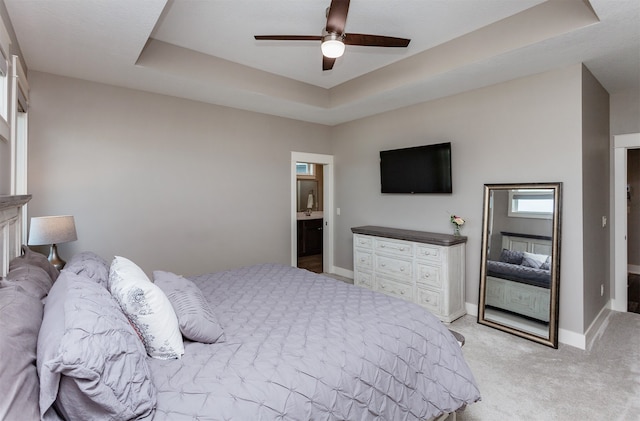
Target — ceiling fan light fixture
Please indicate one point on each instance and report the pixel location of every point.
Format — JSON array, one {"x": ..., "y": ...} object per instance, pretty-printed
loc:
[{"x": 332, "y": 45}]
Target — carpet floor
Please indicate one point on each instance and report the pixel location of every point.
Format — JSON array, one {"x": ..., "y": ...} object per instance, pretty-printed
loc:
[{"x": 521, "y": 380}]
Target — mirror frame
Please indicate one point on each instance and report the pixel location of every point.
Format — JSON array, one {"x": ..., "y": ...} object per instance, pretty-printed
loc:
[{"x": 552, "y": 339}]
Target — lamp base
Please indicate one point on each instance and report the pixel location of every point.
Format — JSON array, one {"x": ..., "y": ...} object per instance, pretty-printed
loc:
[{"x": 54, "y": 259}]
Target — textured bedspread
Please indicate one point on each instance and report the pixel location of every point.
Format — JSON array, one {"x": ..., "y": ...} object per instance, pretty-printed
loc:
[
  {"x": 305, "y": 347},
  {"x": 518, "y": 273}
]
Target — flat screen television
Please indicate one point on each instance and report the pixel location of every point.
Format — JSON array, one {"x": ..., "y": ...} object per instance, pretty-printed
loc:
[{"x": 421, "y": 169}]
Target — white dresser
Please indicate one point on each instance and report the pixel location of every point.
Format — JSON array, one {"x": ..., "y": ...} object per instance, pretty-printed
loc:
[{"x": 422, "y": 267}]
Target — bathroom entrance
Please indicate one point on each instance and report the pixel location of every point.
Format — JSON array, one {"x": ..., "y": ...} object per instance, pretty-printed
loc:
[{"x": 311, "y": 218}]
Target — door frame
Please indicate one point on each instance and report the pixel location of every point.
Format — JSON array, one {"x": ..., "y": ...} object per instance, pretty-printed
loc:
[
  {"x": 328, "y": 188},
  {"x": 621, "y": 143}
]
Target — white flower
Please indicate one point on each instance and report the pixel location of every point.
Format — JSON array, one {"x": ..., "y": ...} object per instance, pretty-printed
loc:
[{"x": 457, "y": 220}]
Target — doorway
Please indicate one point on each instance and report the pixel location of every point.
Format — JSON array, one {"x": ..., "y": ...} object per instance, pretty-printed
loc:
[
  {"x": 633, "y": 230},
  {"x": 622, "y": 145},
  {"x": 316, "y": 235}
]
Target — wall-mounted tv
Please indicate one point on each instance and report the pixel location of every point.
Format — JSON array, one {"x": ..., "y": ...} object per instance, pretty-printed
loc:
[{"x": 421, "y": 169}]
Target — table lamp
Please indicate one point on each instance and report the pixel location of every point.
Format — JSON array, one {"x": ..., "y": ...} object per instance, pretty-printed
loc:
[{"x": 52, "y": 230}]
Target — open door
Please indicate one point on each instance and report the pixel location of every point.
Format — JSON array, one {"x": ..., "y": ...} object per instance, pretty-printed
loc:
[{"x": 326, "y": 229}]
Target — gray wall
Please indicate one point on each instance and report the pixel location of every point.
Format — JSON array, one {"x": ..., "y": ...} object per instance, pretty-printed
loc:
[
  {"x": 595, "y": 195},
  {"x": 190, "y": 187},
  {"x": 525, "y": 130},
  {"x": 170, "y": 183}
]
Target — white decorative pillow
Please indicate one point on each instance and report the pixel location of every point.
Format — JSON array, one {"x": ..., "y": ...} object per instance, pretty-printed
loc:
[
  {"x": 533, "y": 260},
  {"x": 196, "y": 319},
  {"x": 147, "y": 308}
]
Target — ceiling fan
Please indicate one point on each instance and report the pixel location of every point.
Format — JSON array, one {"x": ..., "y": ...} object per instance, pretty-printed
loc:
[{"x": 334, "y": 38}]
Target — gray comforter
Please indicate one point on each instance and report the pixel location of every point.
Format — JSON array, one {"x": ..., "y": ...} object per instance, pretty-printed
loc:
[{"x": 305, "y": 347}]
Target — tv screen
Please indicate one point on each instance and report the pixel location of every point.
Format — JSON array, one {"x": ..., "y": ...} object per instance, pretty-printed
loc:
[{"x": 421, "y": 169}]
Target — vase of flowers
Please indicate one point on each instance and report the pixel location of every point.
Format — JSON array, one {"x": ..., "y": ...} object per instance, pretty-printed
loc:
[{"x": 457, "y": 223}]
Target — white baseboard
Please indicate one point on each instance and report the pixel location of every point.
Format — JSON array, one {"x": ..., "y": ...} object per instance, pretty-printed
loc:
[
  {"x": 472, "y": 309},
  {"x": 598, "y": 326},
  {"x": 343, "y": 272},
  {"x": 634, "y": 269}
]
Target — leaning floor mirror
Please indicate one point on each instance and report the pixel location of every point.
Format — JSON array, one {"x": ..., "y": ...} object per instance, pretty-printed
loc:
[{"x": 520, "y": 266}]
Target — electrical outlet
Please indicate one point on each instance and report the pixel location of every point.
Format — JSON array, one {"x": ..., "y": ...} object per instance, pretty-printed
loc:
[
  {"x": 338, "y": 211},
  {"x": 602, "y": 290},
  {"x": 604, "y": 221}
]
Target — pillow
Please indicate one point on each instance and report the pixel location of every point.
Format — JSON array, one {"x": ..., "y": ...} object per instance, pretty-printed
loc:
[
  {"x": 511, "y": 256},
  {"x": 533, "y": 260},
  {"x": 547, "y": 264},
  {"x": 20, "y": 315},
  {"x": 196, "y": 319},
  {"x": 91, "y": 265},
  {"x": 147, "y": 308},
  {"x": 91, "y": 362},
  {"x": 30, "y": 257},
  {"x": 32, "y": 279}
]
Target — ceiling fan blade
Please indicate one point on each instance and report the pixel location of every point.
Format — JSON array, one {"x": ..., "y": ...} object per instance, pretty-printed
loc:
[
  {"x": 375, "y": 40},
  {"x": 288, "y": 37},
  {"x": 337, "y": 16},
  {"x": 327, "y": 63}
]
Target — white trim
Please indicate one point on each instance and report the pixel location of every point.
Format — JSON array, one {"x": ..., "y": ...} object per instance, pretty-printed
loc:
[
  {"x": 598, "y": 326},
  {"x": 346, "y": 273},
  {"x": 620, "y": 144},
  {"x": 328, "y": 187},
  {"x": 472, "y": 309},
  {"x": 569, "y": 337}
]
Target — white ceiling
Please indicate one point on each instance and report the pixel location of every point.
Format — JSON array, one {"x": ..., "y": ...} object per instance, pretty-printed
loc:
[{"x": 205, "y": 50}]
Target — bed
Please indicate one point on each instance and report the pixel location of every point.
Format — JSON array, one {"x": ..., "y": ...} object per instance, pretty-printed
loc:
[
  {"x": 519, "y": 280},
  {"x": 263, "y": 342}
]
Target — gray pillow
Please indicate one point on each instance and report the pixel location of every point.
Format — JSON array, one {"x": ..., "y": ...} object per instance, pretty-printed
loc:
[
  {"x": 91, "y": 265},
  {"x": 92, "y": 364},
  {"x": 20, "y": 318},
  {"x": 511, "y": 256},
  {"x": 30, "y": 257},
  {"x": 196, "y": 319},
  {"x": 33, "y": 280}
]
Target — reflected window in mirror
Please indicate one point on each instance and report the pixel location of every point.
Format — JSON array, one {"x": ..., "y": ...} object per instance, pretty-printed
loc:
[
  {"x": 519, "y": 275},
  {"x": 531, "y": 203}
]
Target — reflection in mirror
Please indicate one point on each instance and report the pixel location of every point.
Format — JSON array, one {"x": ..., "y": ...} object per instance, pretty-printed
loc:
[{"x": 520, "y": 267}]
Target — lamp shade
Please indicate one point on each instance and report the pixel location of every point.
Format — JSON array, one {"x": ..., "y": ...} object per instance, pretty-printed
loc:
[{"x": 52, "y": 230}]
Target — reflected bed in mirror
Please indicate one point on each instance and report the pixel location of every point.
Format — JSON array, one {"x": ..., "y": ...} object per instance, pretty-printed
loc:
[{"x": 520, "y": 267}]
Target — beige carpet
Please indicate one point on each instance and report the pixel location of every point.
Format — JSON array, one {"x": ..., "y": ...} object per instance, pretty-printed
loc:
[{"x": 521, "y": 380}]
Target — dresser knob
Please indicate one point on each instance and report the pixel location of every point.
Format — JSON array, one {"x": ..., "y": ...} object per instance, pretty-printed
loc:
[
  {"x": 426, "y": 275},
  {"x": 401, "y": 269},
  {"x": 401, "y": 292},
  {"x": 383, "y": 264},
  {"x": 401, "y": 248}
]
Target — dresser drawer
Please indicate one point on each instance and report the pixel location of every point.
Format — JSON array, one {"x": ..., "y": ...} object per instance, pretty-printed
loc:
[
  {"x": 395, "y": 289},
  {"x": 429, "y": 275},
  {"x": 396, "y": 268},
  {"x": 363, "y": 259},
  {"x": 427, "y": 252},
  {"x": 431, "y": 300},
  {"x": 394, "y": 247},
  {"x": 363, "y": 241},
  {"x": 363, "y": 279}
]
